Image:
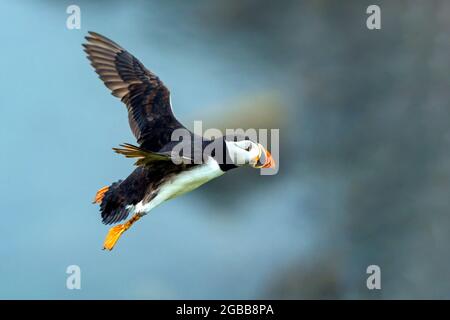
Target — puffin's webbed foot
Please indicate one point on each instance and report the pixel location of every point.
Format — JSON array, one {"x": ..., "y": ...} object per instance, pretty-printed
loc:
[{"x": 115, "y": 232}]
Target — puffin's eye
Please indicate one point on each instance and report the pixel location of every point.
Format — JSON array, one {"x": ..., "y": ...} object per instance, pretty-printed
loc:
[{"x": 248, "y": 148}]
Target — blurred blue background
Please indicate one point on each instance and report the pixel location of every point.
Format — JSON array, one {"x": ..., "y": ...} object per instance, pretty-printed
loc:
[{"x": 364, "y": 163}]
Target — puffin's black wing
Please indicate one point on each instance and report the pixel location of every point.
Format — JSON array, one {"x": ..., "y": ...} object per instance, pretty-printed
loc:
[{"x": 147, "y": 99}]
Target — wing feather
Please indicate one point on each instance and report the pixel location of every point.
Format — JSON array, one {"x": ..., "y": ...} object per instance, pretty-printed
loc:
[{"x": 147, "y": 99}]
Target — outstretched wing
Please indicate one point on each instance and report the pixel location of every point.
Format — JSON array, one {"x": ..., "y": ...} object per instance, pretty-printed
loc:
[{"x": 147, "y": 99}]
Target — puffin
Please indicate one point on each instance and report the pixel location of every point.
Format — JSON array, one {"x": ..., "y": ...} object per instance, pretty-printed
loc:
[{"x": 163, "y": 170}]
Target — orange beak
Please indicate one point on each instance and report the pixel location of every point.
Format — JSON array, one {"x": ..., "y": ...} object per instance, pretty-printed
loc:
[
  {"x": 264, "y": 160},
  {"x": 270, "y": 163}
]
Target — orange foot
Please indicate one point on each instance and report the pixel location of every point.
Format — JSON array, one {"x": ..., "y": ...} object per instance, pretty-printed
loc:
[
  {"x": 100, "y": 195},
  {"x": 115, "y": 232}
]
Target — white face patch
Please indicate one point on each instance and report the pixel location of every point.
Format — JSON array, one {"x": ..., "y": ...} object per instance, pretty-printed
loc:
[{"x": 242, "y": 152}]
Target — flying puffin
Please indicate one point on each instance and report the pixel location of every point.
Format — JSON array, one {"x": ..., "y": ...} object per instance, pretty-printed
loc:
[{"x": 158, "y": 177}]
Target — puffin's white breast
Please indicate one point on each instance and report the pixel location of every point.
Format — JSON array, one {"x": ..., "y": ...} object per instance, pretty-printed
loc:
[{"x": 181, "y": 183}]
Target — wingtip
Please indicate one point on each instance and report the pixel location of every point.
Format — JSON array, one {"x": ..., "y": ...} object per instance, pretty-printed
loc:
[{"x": 91, "y": 35}]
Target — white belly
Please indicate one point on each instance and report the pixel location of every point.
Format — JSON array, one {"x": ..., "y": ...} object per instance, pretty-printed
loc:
[{"x": 183, "y": 182}]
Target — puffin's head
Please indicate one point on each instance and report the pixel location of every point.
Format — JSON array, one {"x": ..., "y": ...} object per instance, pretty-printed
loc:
[{"x": 247, "y": 152}]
